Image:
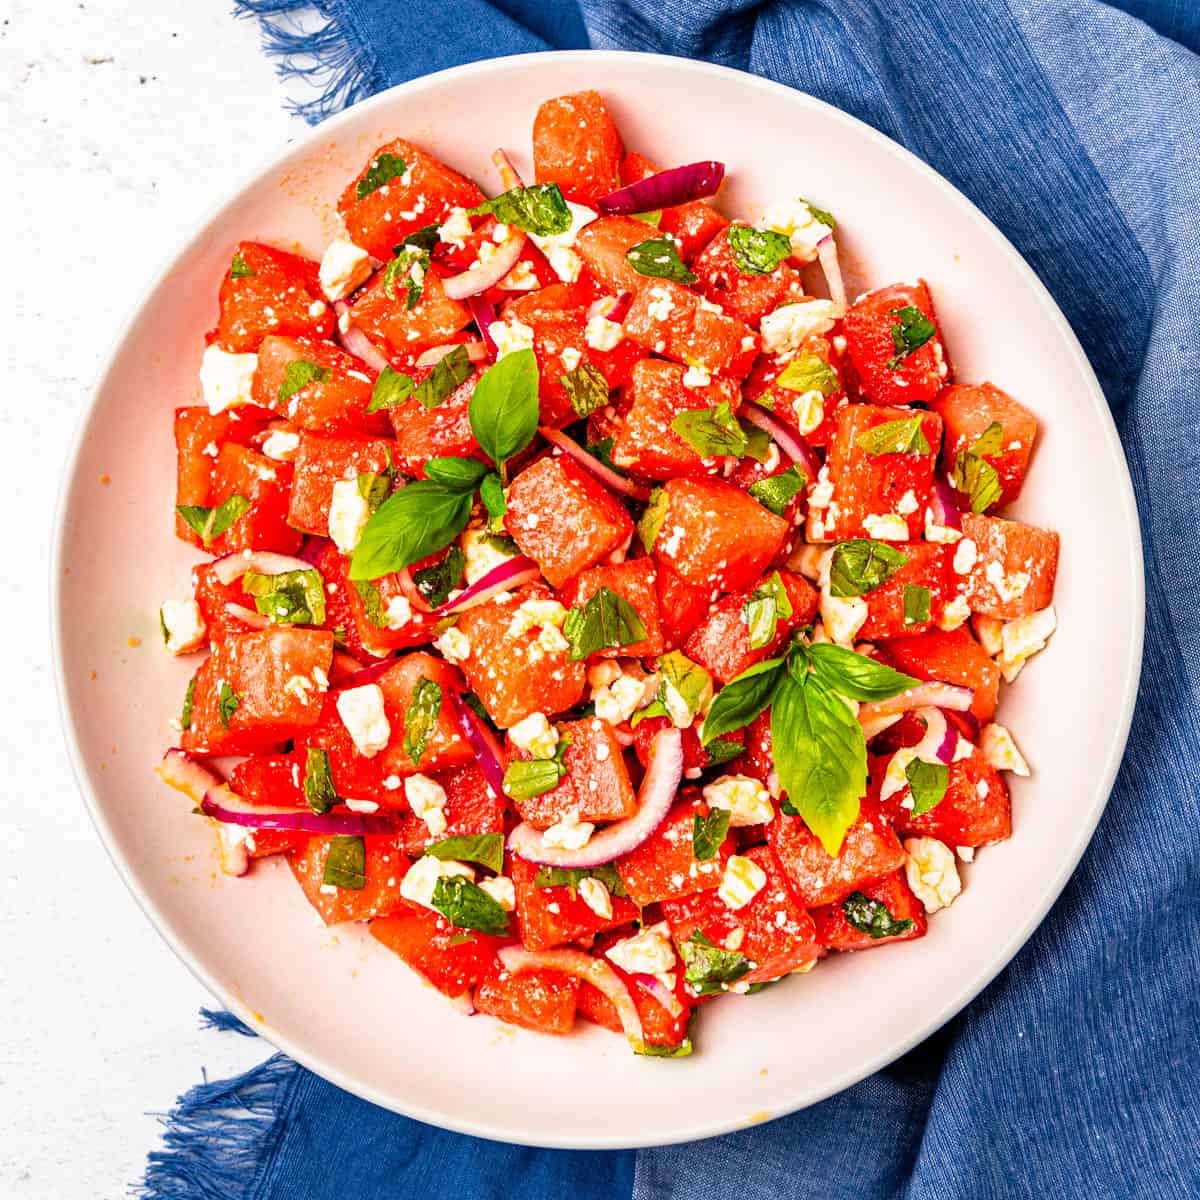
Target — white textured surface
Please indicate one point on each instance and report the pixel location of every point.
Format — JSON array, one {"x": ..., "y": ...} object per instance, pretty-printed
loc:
[{"x": 121, "y": 125}]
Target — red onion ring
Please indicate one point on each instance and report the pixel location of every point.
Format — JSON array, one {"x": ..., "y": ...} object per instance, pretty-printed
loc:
[
  {"x": 365, "y": 675},
  {"x": 948, "y": 745},
  {"x": 790, "y": 439},
  {"x": 661, "y": 993},
  {"x": 924, "y": 695},
  {"x": 223, "y": 804},
  {"x": 355, "y": 341},
  {"x": 477, "y": 352},
  {"x": 247, "y": 616},
  {"x": 945, "y": 508},
  {"x": 484, "y": 314},
  {"x": 618, "y": 310},
  {"x": 514, "y": 573},
  {"x": 594, "y": 467},
  {"x": 827, "y": 254},
  {"x": 487, "y": 750},
  {"x": 666, "y": 189},
  {"x": 966, "y": 722},
  {"x": 178, "y": 769},
  {"x": 482, "y": 275},
  {"x": 265, "y": 562}
]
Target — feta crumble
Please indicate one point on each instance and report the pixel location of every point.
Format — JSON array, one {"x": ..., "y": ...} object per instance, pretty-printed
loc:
[
  {"x": 348, "y": 515},
  {"x": 183, "y": 625},
  {"x": 742, "y": 881},
  {"x": 932, "y": 872},
  {"x": 362, "y": 713},
  {"x": 226, "y": 379},
  {"x": 344, "y": 267},
  {"x": 745, "y": 799}
]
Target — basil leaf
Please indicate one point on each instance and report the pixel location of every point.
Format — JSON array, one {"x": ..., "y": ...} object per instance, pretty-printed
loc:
[
  {"x": 990, "y": 440},
  {"x": 708, "y": 967},
  {"x": 240, "y": 268},
  {"x": 656, "y": 708},
  {"x": 757, "y": 251},
  {"x": 872, "y": 917},
  {"x": 821, "y": 215},
  {"x": 408, "y": 267},
  {"x": 571, "y": 877},
  {"x": 227, "y": 704},
  {"x": 895, "y": 437},
  {"x": 346, "y": 864},
  {"x": 189, "y": 703},
  {"x": 722, "y": 750},
  {"x": 461, "y": 938},
  {"x": 421, "y": 718},
  {"x": 586, "y": 388},
  {"x": 654, "y": 217},
  {"x": 368, "y": 593},
  {"x": 602, "y": 450},
  {"x": 425, "y": 238},
  {"x": 435, "y": 583},
  {"x": 467, "y": 906},
  {"x": 928, "y": 783},
  {"x": 775, "y": 492},
  {"x": 659, "y": 258},
  {"x": 763, "y": 610},
  {"x": 318, "y": 781},
  {"x": 691, "y": 682},
  {"x": 860, "y": 566},
  {"x": 910, "y": 331},
  {"x": 210, "y": 523},
  {"x": 539, "y": 209},
  {"x": 504, "y": 406},
  {"x": 855, "y": 675},
  {"x": 820, "y": 756},
  {"x": 289, "y": 598},
  {"x": 711, "y": 431},
  {"x": 808, "y": 373},
  {"x": 491, "y": 492},
  {"x": 742, "y": 699},
  {"x": 298, "y": 374},
  {"x": 453, "y": 370},
  {"x": 977, "y": 478},
  {"x": 485, "y": 848},
  {"x": 374, "y": 488},
  {"x": 917, "y": 604},
  {"x": 391, "y": 388},
  {"x": 383, "y": 170},
  {"x": 709, "y": 832},
  {"x": 651, "y": 1050},
  {"x": 758, "y": 442},
  {"x": 606, "y": 620},
  {"x": 411, "y": 524},
  {"x": 652, "y": 518},
  {"x": 461, "y": 474},
  {"x": 529, "y": 777}
]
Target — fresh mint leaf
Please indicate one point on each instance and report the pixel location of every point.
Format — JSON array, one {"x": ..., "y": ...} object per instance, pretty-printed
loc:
[
  {"x": 383, "y": 170},
  {"x": 808, "y": 373},
  {"x": 421, "y": 718},
  {"x": 722, "y": 750},
  {"x": 467, "y": 906},
  {"x": 346, "y": 864},
  {"x": 855, "y": 675},
  {"x": 189, "y": 703},
  {"x": 895, "y": 437},
  {"x": 586, "y": 388},
  {"x": 659, "y": 258},
  {"x": 412, "y": 523},
  {"x": 461, "y": 474},
  {"x": 604, "y": 621},
  {"x": 318, "y": 781},
  {"x": 918, "y": 604},
  {"x": 602, "y": 450},
  {"x": 976, "y": 478},
  {"x": 491, "y": 493},
  {"x": 210, "y": 523},
  {"x": 435, "y": 583},
  {"x": 990, "y": 440},
  {"x": 709, "y": 832},
  {"x": 910, "y": 331},
  {"x": 447, "y": 375},
  {"x": 872, "y": 917},
  {"x": 289, "y": 598},
  {"x": 298, "y": 374},
  {"x": 504, "y": 406},
  {"x": 653, "y": 217},
  {"x": 776, "y": 491},
  {"x": 711, "y": 431},
  {"x": 708, "y": 969},
  {"x": 757, "y": 251},
  {"x": 539, "y": 209},
  {"x": 928, "y": 783},
  {"x": 652, "y": 518},
  {"x": 485, "y": 848},
  {"x": 240, "y": 268},
  {"x": 572, "y": 877},
  {"x": 374, "y": 488},
  {"x": 227, "y": 704},
  {"x": 391, "y": 388},
  {"x": 860, "y": 566},
  {"x": 742, "y": 699},
  {"x": 764, "y": 609}
]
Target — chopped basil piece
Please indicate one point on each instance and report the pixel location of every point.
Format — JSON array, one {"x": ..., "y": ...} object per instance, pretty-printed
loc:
[
  {"x": 474, "y": 703},
  {"x": 368, "y": 593},
  {"x": 407, "y": 268},
  {"x": 711, "y": 431},
  {"x": 651, "y": 1050},
  {"x": 374, "y": 489},
  {"x": 240, "y": 268},
  {"x": 298, "y": 374},
  {"x": 539, "y": 209},
  {"x": 571, "y": 877},
  {"x": 424, "y": 238},
  {"x": 651, "y": 519},
  {"x": 210, "y": 523},
  {"x": 910, "y": 331},
  {"x": 602, "y": 450},
  {"x": 504, "y": 406},
  {"x": 346, "y": 864},
  {"x": 690, "y": 681},
  {"x": 659, "y": 258},
  {"x": 526, "y": 778},
  {"x": 391, "y": 388},
  {"x": 461, "y": 938},
  {"x": 227, "y": 704},
  {"x": 446, "y": 376},
  {"x": 709, "y": 970},
  {"x": 485, "y": 848},
  {"x": 758, "y": 442},
  {"x": 990, "y": 440},
  {"x": 928, "y": 783},
  {"x": 383, "y": 170},
  {"x": 651, "y": 218},
  {"x": 895, "y": 437},
  {"x": 491, "y": 493},
  {"x": 757, "y": 251},
  {"x": 763, "y": 610},
  {"x": 872, "y": 917},
  {"x": 709, "y": 832},
  {"x": 808, "y": 373},
  {"x": 189, "y": 702},
  {"x": 821, "y": 215},
  {"x": 289, "y": 598},
  {"x": 860, "y": 566},
  {"x": 586, "y": 388},
  {"x": 467, "y": 906},
  {"x": 721, "y": 750},
  {"x": 604, "y": 621},
  {"x": 776, "y": 491},
  {"x": 411, "y": 524},
  {"x": 656, "y": 708},
  {"x": 976, "y": 478},
  {"x": 917, "y": 604},
  {"x": 318, "y": 781},
  {"x": 435, "y": 583},
  {"x": 421, "y": 718}
]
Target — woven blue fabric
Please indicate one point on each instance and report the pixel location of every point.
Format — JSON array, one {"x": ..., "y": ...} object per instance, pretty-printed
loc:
[{"x": 1075, "y": 126}]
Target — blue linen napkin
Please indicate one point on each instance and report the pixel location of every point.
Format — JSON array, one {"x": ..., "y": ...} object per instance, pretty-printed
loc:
[{"x": 1076, "y": 127}]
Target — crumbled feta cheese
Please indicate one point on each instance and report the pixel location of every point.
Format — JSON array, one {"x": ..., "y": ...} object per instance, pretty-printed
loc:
[
  {"x": 1000, "y": 751},
  {"x": 344, "y": 266},
  {"x": 620, "y": 700},
  {"x": 551, "y": 640},
  {"x": 603, "y": 334},
  {"x": 821, "y": 495},
  {"x": 744, "y": 798},
  {"x": 696, "y": 377},
  {"x": 932, "y": 873},
  {"x": 647, "y": 953},
  {"x": 886, "y": 528},
  {"x": 398, "y": 612},
  {"x": 501, "y": 889},
  {"x": 907, "y": 503},
  {"x": 742, "y": 881},
  {"x": 596, "y": 896},
  {"x": 349, "y": 513},
  {"x": 942, "y": 534},
  {"x": 360, "y": 806},
  {"x": 299, "y": 686},
  {"x": 965, "y": 853},
  {"x": 455, "y": 229},
  {"x": 226, "y": 378},
  {"x": 568, "y": 834},
  {"x": 534, "y": 614},
  {"x": 1022, "y": 638},
  {"x": 482, "y": 553},
  {"x": 557, "y": 247},
  {"x": 522, "y": 278},
  {"x": 281, "y": 445},
  {"x": 786, "y": 328},
  {"x": 966, "y": 555},
  {"x": 661, "y": 305},
  {"x": 570, "y": 357},
  {"x": 421, "y": 878},
  {"x": 955, "y": 613},
  {"x": 454, "y": 645},
  {"x": 843, "y": 616},
  {"x": 362, "y": 713},
  {"x": 317, "y": 309},
  {"x": 427, "y": 798},
  {"x": 535, "y": 735},
  {"x": 183, "y": 625},
  {"x": 510, "y": 336},
  {"x": 603, "y": 673},
  {"x": 809, "y": 409},
  {"x": 1008, "y": 587},
  {"x": 795, "y": 220}
]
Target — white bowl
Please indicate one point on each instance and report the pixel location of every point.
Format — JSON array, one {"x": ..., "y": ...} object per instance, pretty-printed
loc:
[{"x": 350, "y": 1010}]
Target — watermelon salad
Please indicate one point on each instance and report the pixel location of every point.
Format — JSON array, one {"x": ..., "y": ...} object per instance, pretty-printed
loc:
[{"x": 594, "y": 602}]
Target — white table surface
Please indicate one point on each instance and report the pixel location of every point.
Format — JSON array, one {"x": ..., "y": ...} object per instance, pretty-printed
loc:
[{"x": 122, "y": 122}]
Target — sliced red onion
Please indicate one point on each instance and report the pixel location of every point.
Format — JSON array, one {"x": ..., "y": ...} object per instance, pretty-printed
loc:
[
  {"x": 482, "y": 275},
  {"x": 484, "y": 314},
  {"x": 508, "y": 173},
  {"x": 678, "y": 185},
  {"x": 178, "y": 769},
  {"x": 247, "y": 616},
  {"x": 313, "y": 549},
  {"x": 222, "y": 803},
  {"x": 583, "y": 966},
  {"x": 661, "y": 993},
  {"x": 949, "y": 743},
  {"x": 487, "y": 750},
  {"x": 828, "y": 256},
  {"x": 790, "y": 439},
  {"x": 655, "y": 797},
  {"x": 355, "y": 341},
  {"x": 513, "y": 573},
  {"x": 364, "y": 675},
  {"x": 618, "y": 310},
  {"x": 477, "y": 352},
  {"x": 265, "y": 562},
  {"x": 594, "y": 467},
  {"x": 966, "y": 722},
  {"x": 411, "y": 592},
  {"x": 942, "y": 502},
  {"x": 924, "y": 695}
]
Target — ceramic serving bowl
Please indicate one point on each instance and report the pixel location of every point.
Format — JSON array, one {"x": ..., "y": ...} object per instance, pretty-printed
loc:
[{"x": 337, "y": 1001}]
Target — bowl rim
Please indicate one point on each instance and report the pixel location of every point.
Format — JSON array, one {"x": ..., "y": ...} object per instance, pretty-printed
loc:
[{"x": 689, "y": 1130}]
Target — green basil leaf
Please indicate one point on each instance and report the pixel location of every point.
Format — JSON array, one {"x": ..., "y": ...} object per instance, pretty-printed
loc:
[
  {"x": 742, "y": 699},
  {"x": 346, "y": 864},
  {"x": 910, "y": 331},
  {"x": 529, "y": 777},
  {"x": 189, "y": 703},
  {"x": 977, "y": 478},
  {"x": 758, "y": 442},
  {"x": 659, "y": 258},
  {"x": 763, "y": 610},
  {"x": 776, "y": 491},
  {"x": 447, "y": 375},
  {"x": 990, "y": 440},
  {"x": 604, "y": 621},
  {"x": 539, "y": 209},
  {"x": 383, "y": 170},
  {"x": 820, "y": 756},
  {"x": 425, "y": 238},
  {"x": 421, "y": 718},
  {"x": 368, "y": 593},
  {"x": 860, "y": 566},
  {"x": 652, "y": 1050},
  {"x": 491, "y": 492},
  {"x": 656, "y": 708},
  {"x": 298, "y": 374},
  {"x": 461, "y": 474},
  {"x": 466, "y": 905},
  {"x": 318, "y": 781},
  {"x": 808, "y": 373},
  {"x": 391, "y": 388},
  {"x": 412, "y": 523},
  {"x": 289, "y": 598},
  {"x": 708, "y": 969},
  {"x": 711, "y": 431},
  {"x": 917, "y": 604},
  {"x": 602, "y": 450},
  {"x": 691, "y": 682},
  {"x": 406, "y": 269},
  {"x": 722, "y": 750},
  {"x": 709, "y": 832},
  {"x": 757, "y": 251},
  {"x": 895, "y": 437},
  {"x": 504, "y": 406},
  {"x": 821, "y": 215},
  {"x": 652, "y": 518},
  {"x": 586, "y": 388},
  {"x": 435, "y": 583},
  {"x": 227, "y": 704},
  {"x": 872, "y": 917},
  {"x": 461, "y": 938},
  {"x": 485, "y": 848},
  {"x": 571, "y": 877},
  {"x": 374, "y": 489},
  {"x": 855, "y": 675},
  {"x": 653, "y": 217},
  {"x": 210, "y": 523},
  {"x": 240, "y": 268},
  {"x": 928, "y": 783}
]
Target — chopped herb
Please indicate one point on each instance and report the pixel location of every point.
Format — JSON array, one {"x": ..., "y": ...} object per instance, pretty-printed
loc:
[
  {"x": 651, "y": 218},
  {"x": 421, "y": 718},
  {"x": 485, "y": 848},
  {"x": 391, "y": 388},
  {"x": 461, "y": 938},
  {"x": 240, "y": 268},
  {"x": 757, "y": 251},
  {"x": 425, "y": 238},
  {"x": 298, "y": 374},
  {"x": 228, "y": 703},
  {"x": 990, "y": 440},
  {"x": 604, "y": 621},
  {"x": 763, "y": 610},
  {"x": 586, "y": 388},
  {"x": 652, "y": 518},
  {"x": 447, "y": 374},
  {"x": 917, "y": 604},
  {"x": 491, "y": 493},
  {"x": 690, "y": 681},
  {"x": 653, "y": 1050},
  {"x": 758, "y": 442},
  {"x": 821, "y": 215},
  {"x": 435, "y": 583},
  {"x": 602, "y": 450},
  {"x": 210, "y": 523},
  {"x": 928, "y": 783},
  {"x": 659, "y": 258},
  {"x": 318, "y": 781},
  {"x": 895, "y": 437},
  {"x": 539, "y": 209},
  {"x": 383, "y": 170},
  {"x": 976, "y": 478},
  {"x": 408, "y": 267},
  {"x": 374, "y": 488},
  {"x": 722, "y": 750},
  {"x": 571, "y": 877},
  {"x": 526, "y": 778},
  {"x": 368, "y": 593},
  {"x": 709, "y": 970},
  {"x": 289, "y": 598},
  {"x": 910, "y": 331},
  {"x": 709, "y": 832},
  {"x": 711, "y": 431},
  {"x": 860, "y": 566},
  {"x": 467, "y": 906},
  {"x": 346, "y": 864},
  {"x": 808, "y": 373},
  {"x": 872, "y": 917},
  {"x": 189, "y": 702},
  {"x": 776, "y": 491}
]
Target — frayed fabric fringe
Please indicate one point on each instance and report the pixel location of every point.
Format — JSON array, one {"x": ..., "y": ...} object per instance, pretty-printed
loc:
[{"x": 321, "y": 55}]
